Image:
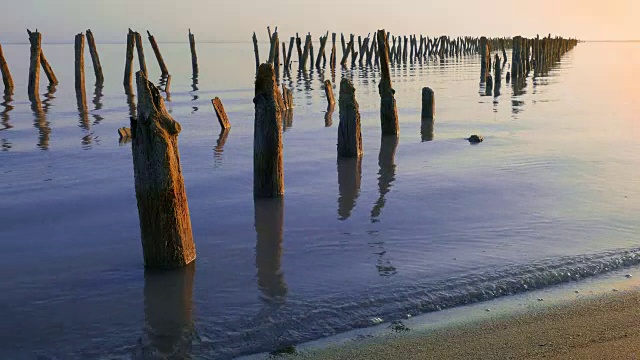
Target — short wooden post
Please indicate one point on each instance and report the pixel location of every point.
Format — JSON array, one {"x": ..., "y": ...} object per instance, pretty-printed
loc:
[
  {"x": 287, "y": 95},
  {"x": 485, "y": 59},
  {"x": 328, "y": 90},
  {"x": 128, "y": 65},
  {"x": 97, "y": 67},
  {"x": 220, "y": 113},
  {"x": 268, "y": 166},
  {"x": 497, "y": 76},
  {"x": 165, "y": 223},
  {"x": 6, "y": 75},
  {"x": 34, "y": 65},
  {"x": 156, "y": 51},
  {"x": 428, "y": 103},
  {"x": 349, "y": 135},
  {"x": 194, "y": 56},
  {"x": 141, "y": 60},
  {"x": 48, "y": 71},
  {"x": 488, "y": 90},
  {"x": 388, "y": 109}
]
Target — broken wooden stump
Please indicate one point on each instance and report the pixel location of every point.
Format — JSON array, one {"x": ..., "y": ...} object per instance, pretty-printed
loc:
[
  {"x": 349, "y": 134},
  {"x": 95, "y": 58},
  {"x": 194, "y": 56},
  {"x": 48, "y": 71},
  {"x": 287, "y": 97},
  {"x": 34, "y": 65},
  {"x": 128, "y": 65},
  {"x": 485, "y": 59},
  {"x": 268, "y": 166},
  {"x": 6, "y": 75},
  {"x": 328, "y": 90},
  {"x": 141, "y": 60},
  {"x": 220, "y": 113},
  {"x": 428, "y": 104},
  {"x": 388, "y": 109},
  {"x": 156, "y": 51},
  {"x": 165, "y": 223}
]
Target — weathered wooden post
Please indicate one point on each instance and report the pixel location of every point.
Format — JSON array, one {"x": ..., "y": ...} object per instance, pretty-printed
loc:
[
  {"x": 156, "y": 51},
  {"x": 497, "y": 76},
  {"x": 288, "y": 59},
  {"x": 6, "y": 75},
  {"x": 141, "y": 59},
  {"x": 34, "y": 65},
  {"x": 305, "y": 54},
  {"x": 332, "y": 58},
  {"x": 349, "y": 135},
  {"x": 165, "y": 223},
  {"x": 79, "y": 71},
  {"x": 268, "y": 166},
  {"x": 256, "y": 51},
  {"x": 484, "y": 55},
  {"x": 194, "y": 56},
  {"x": 488, "y": 90},
  {"x": 323, "y": 43},
  {"x": 328, "y": 90},
  {"x": 276, "y": 55},
  {"x": 388, "y": 109},
  {"x": 428, "y": 104},
  {"x": 93, "y": 50},
  {"x": 220, "y": 113},
  {"x": 128, "y": 65},
  {"x": 48, "y": 71},
  {"x": 345, "y": 54}
]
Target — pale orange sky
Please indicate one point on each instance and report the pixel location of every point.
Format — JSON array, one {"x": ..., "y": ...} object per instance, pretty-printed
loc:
[{"x": 235, "y": 20}]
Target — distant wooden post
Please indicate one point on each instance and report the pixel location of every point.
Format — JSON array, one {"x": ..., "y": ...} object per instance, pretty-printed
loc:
[
  {"x": 323, "y": 43},
  {"x": 156, "y": 51},
  {"x": 305, "y": 54},
  {"x": 34, "y": 65},
  {"x": 484, "y": 63},
  {"x": 349, "y": 135},
  {"x": 194, "y": 56},
  {"x": 97, "y": 68},
  {"x": 81, "y": 95},
  {"x": 165, "y": 223},
  {"x": 220, "y": 113},
  {"x": 48, "y": 71},
  {"x": 6, "y": 75},
  {"x": 328, "y": 90},
  {"x": 128, "y": 65},
  {"x": 299, "y": 48},
  {"x": 497, "y": 76},
  {"x": 332, "y": 58},
  {"x": 256, "y": 51},
  {"x": 428, "y": 104},
  {"x": 346, "y": 53},
  {"x": 388, "y": 109},
  {"x": 292, "y": 40},
  {"x": 141, "y": 59},
  {"x": 276, "y": 58},
  {"x": 268, "y": 166}
]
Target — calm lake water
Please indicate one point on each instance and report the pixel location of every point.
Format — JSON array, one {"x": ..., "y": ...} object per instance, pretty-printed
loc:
[{"x": 551, "y": 196}]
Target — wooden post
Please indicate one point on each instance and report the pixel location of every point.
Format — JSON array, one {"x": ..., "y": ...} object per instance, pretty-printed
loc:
[
  {"x": 97, "y": 68},
  {"x": 268, "y": 166},
  {"x": 299, "y": 48},
  {"x": 288, "y": 59},
  {"x": 255, "y": 51},
  {"x": 79, "y": 66},
  {"x": 194, "y": 56},
  {"x": 332, "y": 58},
  {"x": 34, "y": 65},
  {"x": 323, "y": 43},
  {"x": 484, "y": 63},
  {"x": 428, "y": 104},
  {"x": 48, "y": 71},
  {"x": 141, "y": 60},
  {"x": 388, "y": 109},
  {"x": 276, "y": 55},
  {"x": 220, "y": 113},
  {"x": 165, "y": 223},
  {"x": 328, "y": 90},
  {"x": 349, "y": 135},
  {"x": 488, "y": 90},
  {"x": 305, "y": 54},
  {"x": 497, "y": 76},
  {"x": 156, "y": 51},
  {"x": 345, "y": 55},
  {"x": 6, "y": 75},
  {"x": 128, "y": 65}
]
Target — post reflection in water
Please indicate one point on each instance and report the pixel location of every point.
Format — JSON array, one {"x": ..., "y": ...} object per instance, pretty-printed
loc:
[
  {"x": 40, "y": 122},
  {"x": 426, "y": 130},
  {"x": 168, "y": 308},
  {"x": 97, "y": 103},
  {"x": 287, "y": 119},
  {"x": 219, "y": 149},
  {"x": 194, "y": 89},
  {"x": 349, "y": 178},
  {"x": 386, "y": 174},
  {"x": 49, "y": 96},
  {"x": 7, "y": 99},
  {"x": 328, "y": 116},
  {"x": 269, "y": 223},
  {"x": 83, "y": 116},
  {"x": 131, "y": 101}
]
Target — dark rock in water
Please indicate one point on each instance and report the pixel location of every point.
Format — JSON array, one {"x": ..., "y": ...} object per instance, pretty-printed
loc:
[
  {"x": 287, "y": 350},
  {"x": 475, "y": 139}
]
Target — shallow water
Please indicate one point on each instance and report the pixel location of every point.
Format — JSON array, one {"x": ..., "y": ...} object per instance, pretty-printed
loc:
[{"x": 549, "y": 197}]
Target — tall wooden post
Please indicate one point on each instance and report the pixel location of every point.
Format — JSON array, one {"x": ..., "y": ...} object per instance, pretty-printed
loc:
[
  {"x": 428, "y": 104},
  {"x": 194, "y": 56},
  {"x": 332, "y": 59},
  {"x": 156, "y": 51},
  {"x": 268, "y": 166},
  {"x": 165, "y": 223},
  {"x": 128, "y": 65},
  {"x": 48, "y": 71},
  {"x": 6, "y": 75},
  {"x": 485, "y": 59},
  {"x": 79, "y": 71},
  {"x": 141, "y": 60},
  {"x": 34, "y": 65},
  {"x": 388, "y": 109},
  {"x": 97, "y": 68},
  {"x": 349, "y": 135}
]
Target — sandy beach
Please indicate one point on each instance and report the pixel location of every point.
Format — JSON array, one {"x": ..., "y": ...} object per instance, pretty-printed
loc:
[{"x": 605, "y": 327}]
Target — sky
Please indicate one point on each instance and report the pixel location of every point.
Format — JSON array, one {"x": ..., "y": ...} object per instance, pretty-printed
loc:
[{"x": 235, "y": 20}]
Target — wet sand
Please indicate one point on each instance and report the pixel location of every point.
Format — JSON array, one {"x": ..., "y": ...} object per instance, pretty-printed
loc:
[{"x": 605, "y": 327}]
